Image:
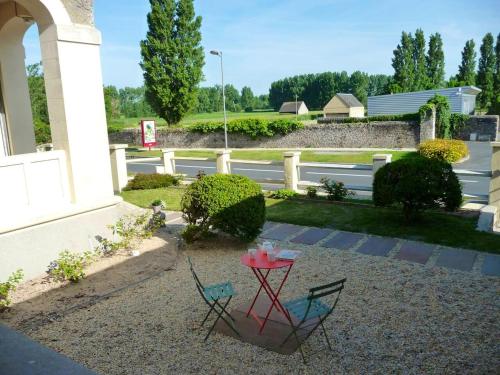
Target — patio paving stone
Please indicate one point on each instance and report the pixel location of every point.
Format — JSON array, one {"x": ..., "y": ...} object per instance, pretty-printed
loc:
[
  {"x": 343, "y": 240},
  {"x": 456, "y": 259},
  {"x": 417, "y": 252},
  {"x": 282, "y": 232},
  {"x": 379, "y": 246},
  {"x": 491, "y": 265},
  {"x": 312, "y": 236},
  {"x": 268, "y": 225}
]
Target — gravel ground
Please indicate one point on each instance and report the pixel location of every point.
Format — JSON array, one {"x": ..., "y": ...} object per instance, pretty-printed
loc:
[{"x": 393, "y": 317}]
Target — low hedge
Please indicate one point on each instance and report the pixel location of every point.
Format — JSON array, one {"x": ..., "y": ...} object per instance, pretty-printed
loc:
[
  {"x": 253, "y": 127},
  {"x": 443, "y": 149},
  {"x": 233, "y": 204},
  {"x": 365, "y": 120},
  {"x": 151, "y": 181}
]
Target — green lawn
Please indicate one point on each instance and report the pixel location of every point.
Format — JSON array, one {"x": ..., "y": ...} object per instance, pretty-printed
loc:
[
  {"x": 364, "y": 157},
  {"x": 133, "y": 122},
  {"x": 437, "y": 227}
]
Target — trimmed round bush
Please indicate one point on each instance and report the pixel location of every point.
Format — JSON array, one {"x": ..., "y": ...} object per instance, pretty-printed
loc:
[
  {"x": 444, "y": 149},
  {"x": 417, "y": 184},
  {"x": 233, "y": 204},
  {"x": 143, "y": 181}
]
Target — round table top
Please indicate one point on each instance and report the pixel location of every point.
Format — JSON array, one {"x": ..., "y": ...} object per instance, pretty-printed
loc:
[{"x": 260, "y": 261}]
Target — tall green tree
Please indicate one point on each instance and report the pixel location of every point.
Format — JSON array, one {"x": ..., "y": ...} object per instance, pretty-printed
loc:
[
  {"x": 497, "y": 69},
  {"x": 247, "y": 99},
  {"x": 403, "y": 64},
  {"x": 467, "y": 69},
  {"x": 420, "y": 75},
  {"x": 435, "y": 62},
  {"x": 172, "y": 58},
  {"x": 111, "y": 102},
  {"x": 232, "y": 98},
  {"x": 36, "y": 85},
  {"x": 486, "y": 72},
  {"x": 360, "y": 82}
]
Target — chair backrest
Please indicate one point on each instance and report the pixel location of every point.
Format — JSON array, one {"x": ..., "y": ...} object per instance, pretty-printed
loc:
[
  {"x": 199, "y": 285},
  {"x": 323, "y": 291}
]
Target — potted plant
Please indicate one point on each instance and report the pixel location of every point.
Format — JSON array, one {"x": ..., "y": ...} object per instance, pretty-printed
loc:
[{"x": 157, "y": 205}]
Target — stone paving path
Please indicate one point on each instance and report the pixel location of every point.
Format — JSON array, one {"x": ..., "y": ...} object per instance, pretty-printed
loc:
[{"x": 404, "y": 250}]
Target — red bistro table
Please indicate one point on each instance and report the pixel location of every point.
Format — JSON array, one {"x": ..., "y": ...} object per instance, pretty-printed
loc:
[{"x": 261, "y": 267}]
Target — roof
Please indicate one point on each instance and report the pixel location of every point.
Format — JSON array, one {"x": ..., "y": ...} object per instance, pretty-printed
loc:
[
  {"x": 469, "y": 90},
  {"x": 349, "y": 100},
  {"x": 291, "y": 106}
]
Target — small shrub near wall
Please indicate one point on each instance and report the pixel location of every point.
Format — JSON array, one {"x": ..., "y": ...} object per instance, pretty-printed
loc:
[
  {"x": 443, "y": 149},
  {"x": 152, "y": 181},
  {"x": 233, "y": 204},
  {"x": 417, "y": 184},
  {"x": 7, "y": 287}
]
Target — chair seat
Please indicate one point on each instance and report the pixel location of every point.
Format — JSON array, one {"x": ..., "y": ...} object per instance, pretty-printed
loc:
[
  {"x": 298, "y": 308},
  {"x": 219, "y": 291}
]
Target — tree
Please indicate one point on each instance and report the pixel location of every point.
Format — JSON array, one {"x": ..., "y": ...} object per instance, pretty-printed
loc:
[
  {"x": 467, "y": 70},
  {"x": 247, "y": 99},
  {"x": 111, "y": 102},
  {"x": 359, "y": 82},
  {"x": 36, "y": 85},
  {"x": 486, "y": 72},
  {"x": 232, "y": 98},
  {"x": 497, "y": 69},
  {"x": 420, "y": 75},
  {"x": 403, "y": 64},
  {"x": 435, "y": 62},
  {"x": 172, "y": 58}
]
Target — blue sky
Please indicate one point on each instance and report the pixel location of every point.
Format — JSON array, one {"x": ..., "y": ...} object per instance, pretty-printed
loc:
[{"x": 265, "y": 40}]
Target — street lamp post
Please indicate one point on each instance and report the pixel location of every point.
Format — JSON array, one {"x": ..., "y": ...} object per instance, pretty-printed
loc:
[{"x": 219, "y": 53}]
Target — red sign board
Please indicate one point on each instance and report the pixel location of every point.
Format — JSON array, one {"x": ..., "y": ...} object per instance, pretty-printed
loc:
[{"x": 148, "y": 131}]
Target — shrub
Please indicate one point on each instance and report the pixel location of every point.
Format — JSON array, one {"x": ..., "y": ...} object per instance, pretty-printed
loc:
[
  {"x": 143, "y": 181},
  {"x": 443, "y": 149},
  {"x": 70, "y": 266},
  {"x": 442, "y": 106},
  {"x": 252, "y": 127},
  {"x": 233, "y": 204},
  {"x": 42, "y": 132},
  {"x": 417, "y": 184},
  {"x": 283, "y": 194},
  {"x": 335, "y": 190},
  {"x": 9, "y": 286},
  {"x": 458, "y": 122},
  {"x": 159, "y": 202},
  {"x": 312, "y": 192},
  {"x": 133, "y": 229}
]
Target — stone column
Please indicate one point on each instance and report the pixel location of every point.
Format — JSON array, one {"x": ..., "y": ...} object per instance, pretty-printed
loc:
[
  {"x": 291, "y": 162},
  {"x": 118, "y": 166},
  {"x": 379, "y": 160},
  {"x": 223, "y": 164},
  {"x": 168, "y": 161},
  {"x": 428, "y": 126}
]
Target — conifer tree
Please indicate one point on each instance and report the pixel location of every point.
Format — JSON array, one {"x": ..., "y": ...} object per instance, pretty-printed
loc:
[
  {"x": 403, "y": 64},
  {"x": 420, "y": 79},
  {"x": 435, "y": 62},
  {"x": 467, "y": 70},
  {"x": 172, "y": 58},
  {"x": 497, "y": 69},
  {"x": 486, "y": 72}
]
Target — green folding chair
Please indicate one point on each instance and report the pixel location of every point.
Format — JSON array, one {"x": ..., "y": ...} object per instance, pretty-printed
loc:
[
  {"x": 311, "y": 311},
  {"x": 213, "y": 296}
]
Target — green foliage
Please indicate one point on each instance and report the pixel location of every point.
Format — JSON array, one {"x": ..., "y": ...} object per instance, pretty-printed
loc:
[
  {"x": 435, "y": 62},
  {"x": 497, "y": 71},
  {"x": 486, "y": 72},
  {"x": 253, "y": 127},
  {"x": 247, "y": 99},
  {"x": 458, "y": 122},
  {"x": 283, "y": 194},
  {"x": 312, "y": 192},
  {"x": 143, "y": 181},
  {"x": 335, "y": 190},
  {"x": 158, "y": 202},
  {"x": 367, "y": 120},
  {"x": 36, "y": 85},
  {"x": 132, "y": 102},
  {"x": 111, "y": 102},
  {"x": 467, "y": 70},
  {"x": 443, "y": 114},
  {"x": 417, "y": 184},
  {"x": 133, "y": 229},
  {"x": 191, "y": 233},
  {"x": 42, "y": 132},
  {"x": 231, "y": 203},
  {"x": 172, "y": 58},
  {"x": 443, "y": 149},
  {"x": 495, "y": 107},
  {"x": 70, "y": 266},
  {"x": 419, "y": 62},
  {"x": 404, "y": 64},
  {"x": 317, "y": 89},
  {"x": 9, "y": 286}
]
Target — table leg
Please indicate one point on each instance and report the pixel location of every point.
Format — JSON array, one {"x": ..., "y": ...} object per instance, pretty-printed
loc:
[{"x": 257, "y": 295}]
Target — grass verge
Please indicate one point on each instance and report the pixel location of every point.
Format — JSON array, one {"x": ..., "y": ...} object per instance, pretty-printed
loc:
[{"x": 436, "y": 227}]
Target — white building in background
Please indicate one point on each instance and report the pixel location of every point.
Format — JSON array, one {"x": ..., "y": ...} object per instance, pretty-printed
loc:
[
  {"x": 462, "y": 100},
  {"x": 41, "y": 190},
  {"x": 298, "y": 108},
  {"x": 344, "y": 105}
]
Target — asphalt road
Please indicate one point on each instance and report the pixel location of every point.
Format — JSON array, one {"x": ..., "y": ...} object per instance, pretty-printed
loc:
[{"x": 480, "y": 159}]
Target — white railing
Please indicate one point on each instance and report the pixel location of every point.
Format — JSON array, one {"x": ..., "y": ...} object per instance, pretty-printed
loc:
[{"x": 36, "y": 182}]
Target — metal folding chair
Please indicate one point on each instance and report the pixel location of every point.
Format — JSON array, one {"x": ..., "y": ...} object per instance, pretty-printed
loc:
[
  {"x": 213, "y": 296},
  {"x": 311, "y": 312}
]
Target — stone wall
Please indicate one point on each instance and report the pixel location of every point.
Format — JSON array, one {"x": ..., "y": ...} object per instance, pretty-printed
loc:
[
  {"x": 390, "y": 134},
  {"x": 485, "y": 127}
]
